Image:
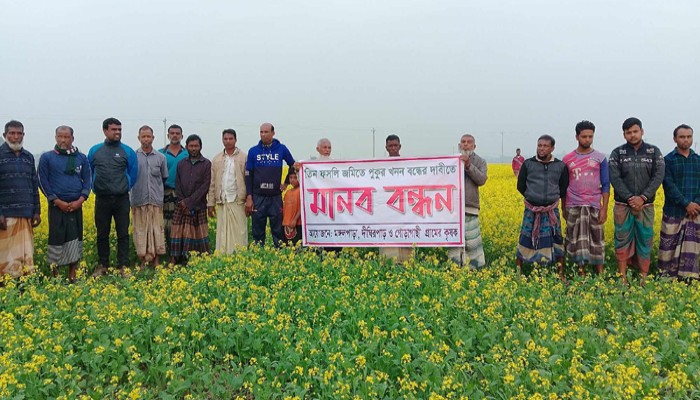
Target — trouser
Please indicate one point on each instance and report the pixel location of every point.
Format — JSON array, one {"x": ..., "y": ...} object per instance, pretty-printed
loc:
[
  {"x": 267, "y": 207},
  {"x": 106, "y": 208}
]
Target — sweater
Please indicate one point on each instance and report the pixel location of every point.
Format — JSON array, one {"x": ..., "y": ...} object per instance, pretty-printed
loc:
[
  {"x": 55, "y": 183},
  {"x": 19, "y": 185},
  {"x": 543, "y": 183}
]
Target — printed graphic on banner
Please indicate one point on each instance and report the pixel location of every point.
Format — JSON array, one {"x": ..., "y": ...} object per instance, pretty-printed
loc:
[{"x": 397, "y": 202}]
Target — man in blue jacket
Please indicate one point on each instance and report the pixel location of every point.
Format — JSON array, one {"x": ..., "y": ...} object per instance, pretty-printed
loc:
[
  {"x": 263, "y": 178},
  {"x": 114, "y": 170}
]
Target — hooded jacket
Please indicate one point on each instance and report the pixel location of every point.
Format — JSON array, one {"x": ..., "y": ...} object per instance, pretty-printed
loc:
[{"x": 263, "y": 170}]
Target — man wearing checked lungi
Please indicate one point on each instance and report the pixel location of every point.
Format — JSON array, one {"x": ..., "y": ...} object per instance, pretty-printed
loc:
[
  {"x": 586, "y": 201},
  {"x": 65, "y": 179},
  {"x": 147, "y": 200},
  {"x": 174, "y": 152},
  {"x": 190, "y": 228},
  {"x": 543, "y": 181},
  {"x": 636, "y": 172},
  {"x": 680, "y": 228},
  {"x": 475, "y": 175}
]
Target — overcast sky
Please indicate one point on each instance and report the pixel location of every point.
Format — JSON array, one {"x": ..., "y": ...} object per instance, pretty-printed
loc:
[{"x": 425, "y": 70}]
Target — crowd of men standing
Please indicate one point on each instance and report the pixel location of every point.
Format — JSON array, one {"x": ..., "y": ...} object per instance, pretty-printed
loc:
[
  {"x": 581, "y": 183},
  {"x": 170, "y": 193}
]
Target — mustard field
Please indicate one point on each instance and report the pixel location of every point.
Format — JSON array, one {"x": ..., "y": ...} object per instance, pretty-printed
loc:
[{"x": 295, "y": 324}]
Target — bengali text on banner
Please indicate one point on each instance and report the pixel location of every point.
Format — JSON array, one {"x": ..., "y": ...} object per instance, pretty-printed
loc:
[{"x": 398, "y": 202}]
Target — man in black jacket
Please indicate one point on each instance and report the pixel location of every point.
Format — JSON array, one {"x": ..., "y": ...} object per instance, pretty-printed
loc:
[
  {"x": 543, "y": 181},
  {"x": 636, "y": 172},
  {"x": 114, "y": 172}
]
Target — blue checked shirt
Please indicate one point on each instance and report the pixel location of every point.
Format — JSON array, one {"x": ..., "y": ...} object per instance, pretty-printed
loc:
[{"x": 681, "y": 182}]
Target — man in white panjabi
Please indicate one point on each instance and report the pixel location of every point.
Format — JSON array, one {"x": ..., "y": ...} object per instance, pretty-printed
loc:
[{"x": 227, "y": 195}]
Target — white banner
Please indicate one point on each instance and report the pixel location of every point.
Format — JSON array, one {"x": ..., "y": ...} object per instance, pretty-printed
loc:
[{"x": 396, "y": 202}]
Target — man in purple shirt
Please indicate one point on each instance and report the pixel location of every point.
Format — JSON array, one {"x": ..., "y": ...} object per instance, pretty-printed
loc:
[
  {"x": 586, "y": 201},
  {"x": 190, "y": 229}
]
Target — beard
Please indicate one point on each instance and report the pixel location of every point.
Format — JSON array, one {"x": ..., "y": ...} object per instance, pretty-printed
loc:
[
  {"x": 467, "y": 152},
  {"x": 15, "y": 146}
]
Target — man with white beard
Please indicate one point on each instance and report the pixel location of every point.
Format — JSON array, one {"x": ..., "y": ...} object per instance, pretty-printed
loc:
[
  {"x": 475, "y": 175},
  {"x": 19, "y": 203},
  {"x": 323, "y": 147}
]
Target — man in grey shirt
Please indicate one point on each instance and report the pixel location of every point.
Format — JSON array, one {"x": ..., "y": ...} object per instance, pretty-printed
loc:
[
  {"x": 147, "y": 200},
  {"x": 475, "y": 171}
]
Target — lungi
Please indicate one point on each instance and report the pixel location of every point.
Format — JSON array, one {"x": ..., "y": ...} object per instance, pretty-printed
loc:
[
  {"x": 679, "y": 246},
  {"x": 231, "y": 227},
  {"x": 585, "y": 242},
  {"x": 634, "y": 234},
  {"x": 540, "y": 241},
  {"x": 189, "y": 232},
  {"x": 17, "y": 247},
  {"x": 149, "y": 235},
  {"x": 65, "y": 236},
  {"x": 473, "y": 250},
  {"x": 169, "y": 201}
]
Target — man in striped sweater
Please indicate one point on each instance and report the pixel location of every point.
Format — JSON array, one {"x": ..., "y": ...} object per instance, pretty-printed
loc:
[{"x": 19, "y": 203}]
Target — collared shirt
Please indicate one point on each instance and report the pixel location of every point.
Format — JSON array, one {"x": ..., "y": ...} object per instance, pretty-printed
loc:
[
  {"x": 229, "y": 187},
  {"x": 173, "y": 160},
  {"x": 192, "y": 182},
  {"x": 681, "y": 182},
  {"x": 153, "y": 169}
]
